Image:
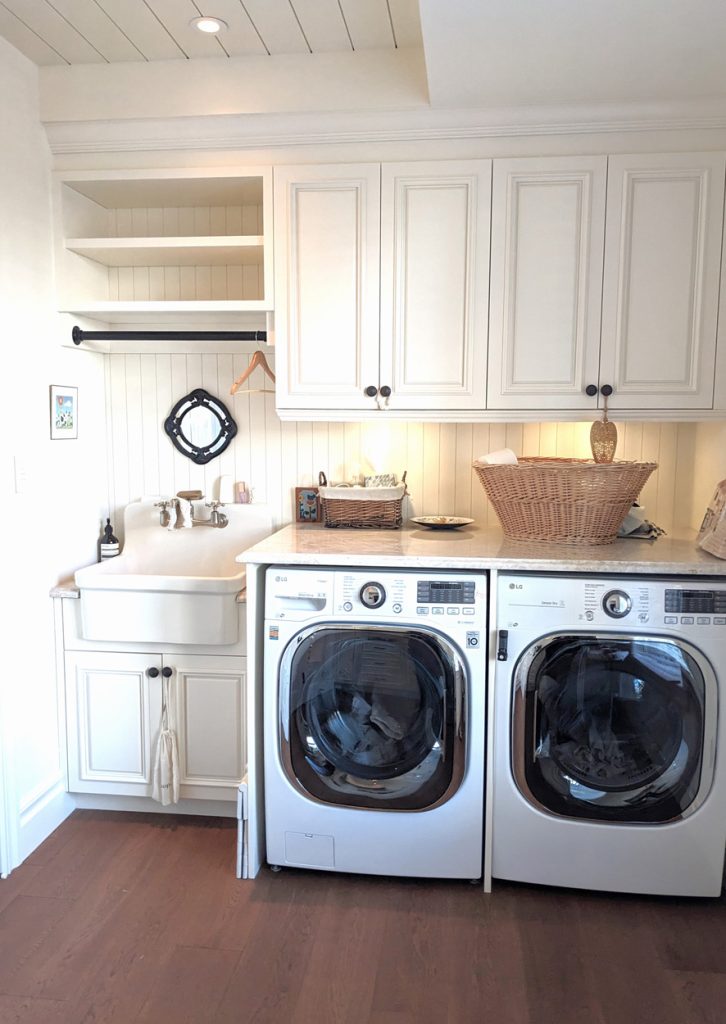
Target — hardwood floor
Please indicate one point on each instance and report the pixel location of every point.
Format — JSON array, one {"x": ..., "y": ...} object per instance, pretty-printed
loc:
[{"x": 129, "y": 918}]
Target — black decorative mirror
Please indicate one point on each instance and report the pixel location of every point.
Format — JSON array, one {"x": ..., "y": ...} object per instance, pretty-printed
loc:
[{"x": 200, "y": 426}]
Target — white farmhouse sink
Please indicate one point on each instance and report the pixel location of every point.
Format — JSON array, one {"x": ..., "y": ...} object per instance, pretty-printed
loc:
[{"x": 171, "y": 586}]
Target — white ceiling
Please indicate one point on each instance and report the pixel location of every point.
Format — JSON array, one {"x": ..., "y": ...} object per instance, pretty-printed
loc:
[
  {"x": 70, "y": 32},
  {"x": 513, "y": 53},
  {"x": 479, "y": 54}
]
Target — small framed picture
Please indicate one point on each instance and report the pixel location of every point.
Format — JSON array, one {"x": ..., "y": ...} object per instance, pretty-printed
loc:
[
  {"x": 307, "y": 505},
  {"x": 63, "y": 412}
]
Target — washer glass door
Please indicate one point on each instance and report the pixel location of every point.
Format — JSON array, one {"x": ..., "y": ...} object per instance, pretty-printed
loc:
[
  {"x": 373, "y": 716},
  {"x": 613, "y": 728}
]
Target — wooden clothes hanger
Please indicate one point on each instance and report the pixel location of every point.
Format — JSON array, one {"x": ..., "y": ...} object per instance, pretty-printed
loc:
[{"x": 258, "y": 359}]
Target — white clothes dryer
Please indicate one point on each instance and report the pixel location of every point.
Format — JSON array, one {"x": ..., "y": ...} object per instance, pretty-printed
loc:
[
  {"x": 374, "y": 720},
  {"x": 609, "y": 733}
]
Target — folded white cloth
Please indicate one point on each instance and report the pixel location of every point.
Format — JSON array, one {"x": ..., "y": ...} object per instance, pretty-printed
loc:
[
  {"x": 501, "y": 457},
  {"x": 184, "y": 515}
]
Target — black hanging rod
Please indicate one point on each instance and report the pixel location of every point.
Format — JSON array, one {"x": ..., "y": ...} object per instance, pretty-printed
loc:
[{"x": 79, "y": 335}]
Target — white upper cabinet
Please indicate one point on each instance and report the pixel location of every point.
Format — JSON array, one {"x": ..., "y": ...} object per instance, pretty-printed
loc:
[
  {"x": 150, "y": 245},
  {"x": 434, "y": 284},
  {"x": 548, "y": 221},
  {"x": 418, "y": 343},
  {"x": 326, "y": 281},
  {"x": 661, "y": 281}
]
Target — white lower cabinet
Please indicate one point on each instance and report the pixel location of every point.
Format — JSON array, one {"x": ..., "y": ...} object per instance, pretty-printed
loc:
[{"x": 113, "y": 711}]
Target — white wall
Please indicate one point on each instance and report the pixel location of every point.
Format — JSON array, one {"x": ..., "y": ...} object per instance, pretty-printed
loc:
[
  {"x": 276, "y": 457},
  {"x": 709, "y": 467},
  {"x": 53, "y": 492}
]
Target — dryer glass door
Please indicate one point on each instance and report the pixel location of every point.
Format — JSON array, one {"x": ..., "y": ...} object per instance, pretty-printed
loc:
[
  {"x": 612, "y": 728},
  {"x": 373, "y": 716}
]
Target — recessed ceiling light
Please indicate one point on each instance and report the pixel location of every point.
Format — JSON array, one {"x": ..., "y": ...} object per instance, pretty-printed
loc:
[{"x": 211, "y": 25}]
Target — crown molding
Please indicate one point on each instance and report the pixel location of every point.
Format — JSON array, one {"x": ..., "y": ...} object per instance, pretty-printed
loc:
[{"x": 272, "y": 131}]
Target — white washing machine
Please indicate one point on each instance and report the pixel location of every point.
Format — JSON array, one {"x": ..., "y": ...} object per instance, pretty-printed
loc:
[
  {"x": 374, "y": 720},
  {"x": 609, "y": 733}
]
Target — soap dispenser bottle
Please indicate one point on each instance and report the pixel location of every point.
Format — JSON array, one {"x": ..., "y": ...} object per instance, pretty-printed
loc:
[{"x": 109, "y": 543}]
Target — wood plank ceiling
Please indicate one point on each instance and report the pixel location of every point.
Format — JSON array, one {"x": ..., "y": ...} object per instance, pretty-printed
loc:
[{"x": 108, "y": 31}]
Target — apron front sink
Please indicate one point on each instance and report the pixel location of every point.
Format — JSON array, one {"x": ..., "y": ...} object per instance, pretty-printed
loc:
[{"x": 171, "y": 586}]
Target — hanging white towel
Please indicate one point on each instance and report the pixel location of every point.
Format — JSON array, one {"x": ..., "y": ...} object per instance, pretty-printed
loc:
[
  {"x": 184, "y": 515},
  {"x": 165, "y": 780}
]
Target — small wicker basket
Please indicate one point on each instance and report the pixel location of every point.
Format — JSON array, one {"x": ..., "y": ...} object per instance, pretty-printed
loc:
[
  {"x": 563, "y": 501},
  {"x": 362, "y": 507}
]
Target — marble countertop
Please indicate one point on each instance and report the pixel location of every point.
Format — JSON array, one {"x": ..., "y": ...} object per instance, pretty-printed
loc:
[{"x": 473, "y": 547}]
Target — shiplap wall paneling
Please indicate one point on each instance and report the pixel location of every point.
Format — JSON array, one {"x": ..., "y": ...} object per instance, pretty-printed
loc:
[
  {"x": 274, "y": 457},
  {"x": 172, "y": 283}
]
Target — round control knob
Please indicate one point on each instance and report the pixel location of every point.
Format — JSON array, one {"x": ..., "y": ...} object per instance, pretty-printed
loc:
[
  {"x": 397, "y": 608},
  {"x": 616, "y": 604},
  {"x": 372, "y": 595},
  {"x": 347, "y": 606}
]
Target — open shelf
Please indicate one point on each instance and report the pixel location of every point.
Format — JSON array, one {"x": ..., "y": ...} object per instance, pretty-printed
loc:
[
  {"x": 164, "y": 243},
  {"x": 189, "y": 251}
]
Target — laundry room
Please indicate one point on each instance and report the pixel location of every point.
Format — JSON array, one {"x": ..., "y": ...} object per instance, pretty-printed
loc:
[{"x": 365, "y": 511}]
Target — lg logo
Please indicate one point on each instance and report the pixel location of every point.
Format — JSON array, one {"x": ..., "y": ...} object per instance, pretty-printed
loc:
[
  {"x": 280, "y": 579},
  {"x": 516, "y": 586}
]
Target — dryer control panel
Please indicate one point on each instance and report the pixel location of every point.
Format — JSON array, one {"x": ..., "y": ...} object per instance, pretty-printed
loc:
[{"x": 631, "y": 604}]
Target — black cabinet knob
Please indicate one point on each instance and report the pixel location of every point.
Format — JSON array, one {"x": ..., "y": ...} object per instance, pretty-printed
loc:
[
  {"x": 385, "y": 391},
  {"x": 606, "y": 390},
  {"x": 591, "y": 390},
  {"x": 371, "y": 391},
  {"x": 166, "y": 672},
  {"x": 152, "y": 672}
]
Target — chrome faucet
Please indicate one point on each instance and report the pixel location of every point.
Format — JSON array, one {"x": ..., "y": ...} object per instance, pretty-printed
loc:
[
  {"x": 216, "y": 519},
  {"x": 164, "y": 514},
  {"x": 169, "y": 506}
]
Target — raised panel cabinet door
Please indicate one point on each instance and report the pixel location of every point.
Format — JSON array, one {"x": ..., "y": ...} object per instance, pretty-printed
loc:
[
  {"x": 661, "y": 279},
  {"x": 327, "y": 244},
  {"x": 548, "y": 222},
  {"x": 435, "y": 283},
  {"x": 208, "y": 706},
  {"x": 113, "y": 710}
]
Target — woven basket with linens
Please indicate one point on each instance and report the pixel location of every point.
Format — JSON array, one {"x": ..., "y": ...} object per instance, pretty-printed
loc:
[{"x": 563, "y": 501}]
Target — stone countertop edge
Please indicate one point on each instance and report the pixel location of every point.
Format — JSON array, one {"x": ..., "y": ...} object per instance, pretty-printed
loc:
[
  {"x": 66, "y": 589},
  {"x": 478, "y": 548}
]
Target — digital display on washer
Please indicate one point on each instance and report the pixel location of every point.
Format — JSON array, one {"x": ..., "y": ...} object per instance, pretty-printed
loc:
[
  {"x": 708, "y": 602},
  {"x": 443, "y": 592}
]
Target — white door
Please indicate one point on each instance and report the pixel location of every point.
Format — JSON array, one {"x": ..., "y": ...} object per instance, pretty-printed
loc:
[
  {"x": 209, "y": 708},
  {"x": 435, "y": 283},
  {"x": 113, "y": 707},
  {"x": 661, "y": 282},
  {"x": 327, "y": 236},
  {"x": 548, "y": 220}
]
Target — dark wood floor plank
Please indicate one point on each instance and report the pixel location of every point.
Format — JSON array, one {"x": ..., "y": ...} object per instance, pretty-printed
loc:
[
  {"x": 24, "y": 925},
  {"x": 189, "y": 986},
  {"x": 700, "y": 998},
  {"x": 26, "y": 1010},
  {"x": 17, "y": 884},
  {"x": 286, "y": 911},
  {"x": 154, "y": 927}
]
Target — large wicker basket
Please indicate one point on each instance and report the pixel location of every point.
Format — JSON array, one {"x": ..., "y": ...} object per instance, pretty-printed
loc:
[
  {"x": 564, "y": 501},
  {"x": 378, "y": 508}
]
